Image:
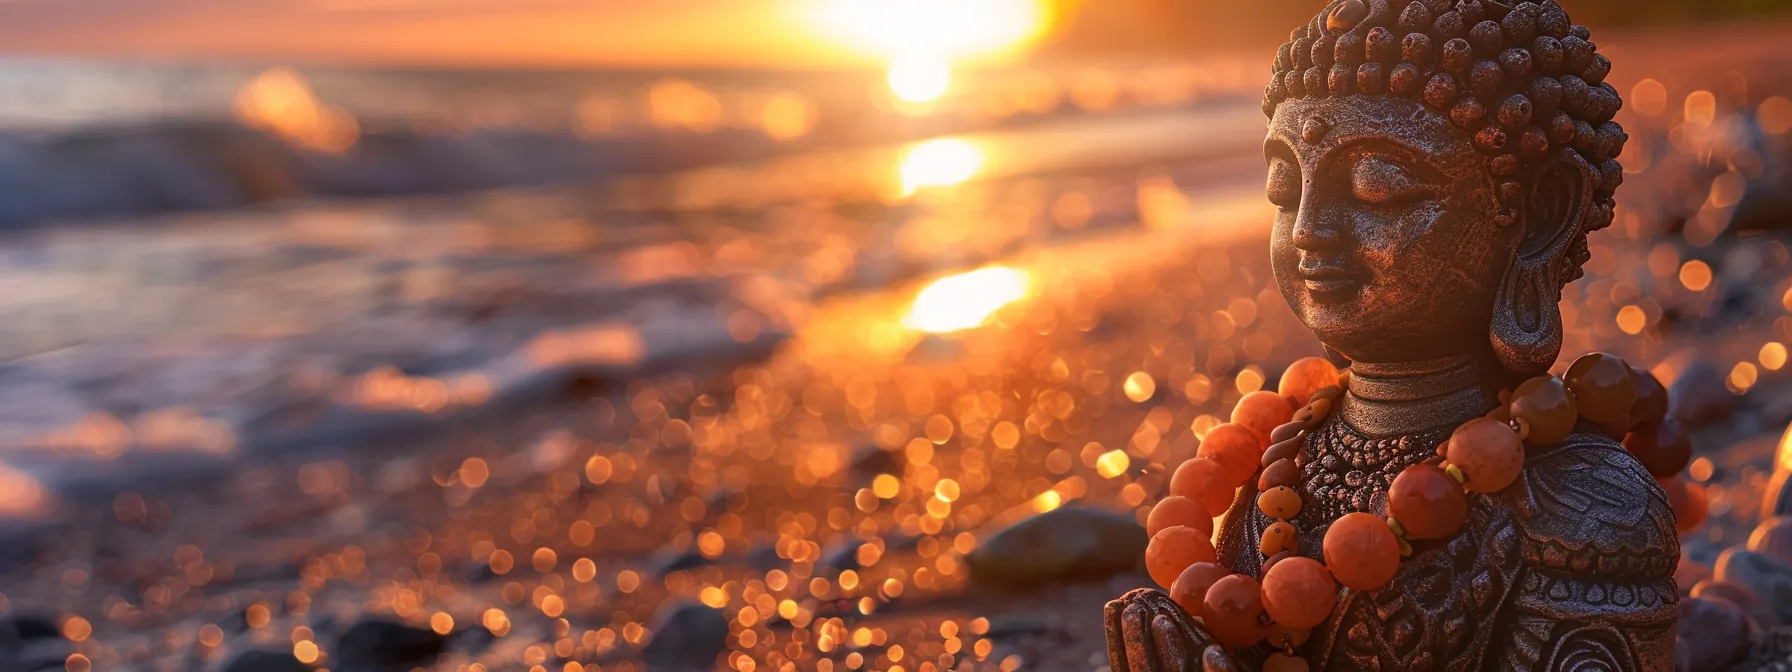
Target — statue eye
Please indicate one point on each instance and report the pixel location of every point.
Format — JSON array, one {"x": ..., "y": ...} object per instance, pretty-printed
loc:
[
  {"x": 1284, "y": 184},
  {"x": 1379, "y": 180}
]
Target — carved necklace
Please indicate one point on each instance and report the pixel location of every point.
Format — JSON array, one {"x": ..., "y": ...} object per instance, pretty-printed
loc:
[{"x": 1427, "y": 500}]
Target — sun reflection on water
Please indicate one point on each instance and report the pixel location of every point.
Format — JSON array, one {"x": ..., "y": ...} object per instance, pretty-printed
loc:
[
  {"x": 943, "y": 162},
  {"x": 967, "y": 300}
]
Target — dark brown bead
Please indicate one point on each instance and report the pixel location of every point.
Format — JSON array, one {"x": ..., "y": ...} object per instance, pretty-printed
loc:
[
  {"x": 1302, "y": 53},
  {"x": 1577, "y": 54},
  {"x": 1510, "y": 191},
  {"x": 1585, "y": 139},
  {"x": 1281, "y": 473},
  {"x": 1440, "y": 92},
  {"x": 1487, "y": 38},
  {"x": 1547, "y": 52},
  {"x": 1416, "y": 18},
  {"x": 1457, "y": 56},
  {"x": 1449, "y": 25},
  {"x": 1663, "y": 449},
  {"x": 1596, "y": 72},
  {"x": 1515, "y": 112},
  {"x": 1292, "y": 83},
  {"x": 1468, "y": 113},
  {"x": 1604, "y": 388},
  {"x": 1286, "y": 431},
  {"x": 1427, "y": 502},
  {"x": 1381, "y": 46},
  {"x": 1314, "y": 81},
  {"x": 1369, "y": 78},
  {"x": 1520, "y": 26},
  {"x": 1487, "y": 79},
  {"x": 1416, "y": 49},
  {"x": 1404, "y": 81},
  {"x": 1534, "y": 144},
  {"x": 1282, "y": 451},
  {"x": 1611, "y": 139},
  {"x": 1517, "y": 63},
  {"x": 1341, "y": 78},
  {"x": 1491, "y": 140},
  {"x": 1504, "y": 165},
  {"x": 1322, "y": 51},
  {"x": 1472, "y": 11},
  {"x": 1580, "y": 31},
  {"x": 1561, "y": 129},
  {"x": 1348, "y": 49},
  {"x": 1271, "y": 562},
  {"x": 1285, "y": 57},
  {"x": 1603, "y": 102},
  {"x": 1651, "y": 404},
  {"x": 1544, "y": 406},
  {"x": 1545, "y": 94},
  {"x": 1574, "y": 95},
  {"x": 1553, "y": 23}
]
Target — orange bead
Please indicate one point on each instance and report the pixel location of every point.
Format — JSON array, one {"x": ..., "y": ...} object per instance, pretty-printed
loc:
[
  {"x": 1663, "y": 448},
  {"x": 1306, "y": 376},
  {"x": 1689, "y": 502},
  {"x": 1262, "y": 412},
  {"x": 1651, "y": 403},
  {"x": 1299, "y": 592},
  {"x": 1175, "y": 510},
  {"x": 1361, "y": 551},
  {"x": 1545, "y": 407},
  {"x": 1282, "y": 662},
  {"x": 1604, "y": 389},
  {"x": 1489, "y": 452},
  {"x": 1278, "y": 537},
  {"x": 1427, "y": 502},
  {"x": 1191, "y": 585},
  {"x": 1232, "y": 611},
  {"x": 1172, "y": 550},
  {"x": 1236, "y": 448},
  {"x": 1280, "y": 502},
  {"x": 1204, "y": 481}
]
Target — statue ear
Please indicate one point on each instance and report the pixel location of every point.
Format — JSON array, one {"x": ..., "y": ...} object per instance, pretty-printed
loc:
[{"x": 1527, "y": 325}]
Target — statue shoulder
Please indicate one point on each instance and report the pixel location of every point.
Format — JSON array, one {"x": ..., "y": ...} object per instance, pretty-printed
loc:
[{"x": 1588, "y": 507}]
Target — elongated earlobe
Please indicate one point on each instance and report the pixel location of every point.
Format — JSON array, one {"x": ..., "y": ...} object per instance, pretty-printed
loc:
[{"x": 1526, "y": 331}]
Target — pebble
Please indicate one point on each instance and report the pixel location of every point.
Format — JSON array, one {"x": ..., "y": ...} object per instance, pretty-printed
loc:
[
  {"x": 1741, "y": 596},
  {"x": 1767, "y": 577},
  {"x": 1069, "y": 543},
  {"x": 1713, "y": 634},
  {"x": 1773, "y": 538},
  {"x": 257, "y": 660},
  {"x": 1690, "y": 573},
  {"x": 686, "y": 636},
  {"x": 377, "y": 645},
  {"x": 667, "y": 562},
  {"x": 1698, "y": 396}
]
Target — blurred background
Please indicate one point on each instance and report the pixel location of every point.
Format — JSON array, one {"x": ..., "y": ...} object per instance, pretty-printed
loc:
[{"x": 738, "y": 334}]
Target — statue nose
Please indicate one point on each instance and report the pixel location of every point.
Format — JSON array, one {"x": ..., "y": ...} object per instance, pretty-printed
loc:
[{"x": 1313, "y": 234}]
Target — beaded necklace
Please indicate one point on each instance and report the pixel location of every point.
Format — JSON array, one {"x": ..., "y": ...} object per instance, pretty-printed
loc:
[{"x": 1428, "y": 500}]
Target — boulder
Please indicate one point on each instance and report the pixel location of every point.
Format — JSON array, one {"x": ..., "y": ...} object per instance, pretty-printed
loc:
[{"x": 1063, "y": 545}]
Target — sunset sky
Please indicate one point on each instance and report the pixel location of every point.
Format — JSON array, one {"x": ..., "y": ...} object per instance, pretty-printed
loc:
[{"x": 459, "y": 32}]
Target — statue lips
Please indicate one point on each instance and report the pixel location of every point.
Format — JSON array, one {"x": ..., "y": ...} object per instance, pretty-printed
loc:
[{"x": 1330, "y": 282}]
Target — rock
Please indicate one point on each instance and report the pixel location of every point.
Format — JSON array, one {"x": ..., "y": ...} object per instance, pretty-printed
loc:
[
  {"x": 842, "y": 554},
  {"x": 1773, "y": 538},
  {"x": 667, "y": 562},
  {"x": 686, "y": 636},
  {"x": 15, "y": 631},
  {"x": 376, "y": 645},
  {"x": 1698, "y": 396},
  {"x": 1761, "y": 573},
  {"x": 764, "y": 558},
  {"x": 1070, "y": 543},
  {"x": 1713, "y": 634},
  {"x": 1740, "y": 595},
  {"x": 257, "y": 660},
  {"x": 871, "y": 460}
]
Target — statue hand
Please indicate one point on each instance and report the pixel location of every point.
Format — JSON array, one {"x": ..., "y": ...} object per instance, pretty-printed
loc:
[{"x": 1148, "y": 632}]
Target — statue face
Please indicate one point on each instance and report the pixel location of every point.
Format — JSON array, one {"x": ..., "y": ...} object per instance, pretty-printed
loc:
[{"x": 1385, "y": 243}]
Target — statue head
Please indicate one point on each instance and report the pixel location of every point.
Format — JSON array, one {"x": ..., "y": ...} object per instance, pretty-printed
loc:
[{"x": 1436, "y": 167}]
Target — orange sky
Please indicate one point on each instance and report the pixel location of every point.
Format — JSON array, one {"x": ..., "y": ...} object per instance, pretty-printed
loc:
[{"x": 456, "y": 32}]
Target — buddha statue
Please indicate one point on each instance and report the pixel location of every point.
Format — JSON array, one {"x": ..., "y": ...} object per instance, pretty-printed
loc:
[{"x": 1436, "y": 167}]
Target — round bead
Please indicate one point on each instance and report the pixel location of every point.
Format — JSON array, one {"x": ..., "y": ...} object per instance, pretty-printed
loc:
[
  {"x": 1604, "y": 389},
  {"x": 1281, "y": 473},
  {"x": 1489, "y": 452},
  {"x": 1236, "y": 448},
  {"x": 1262, "y": 412},
  {"x": 1231, "y": 611},
  {"x": 1689, "y": 503},
  {"x": 1651, "y": 404},
  {"x": 1175, "y": 510},
  {"x": 1361, "y": 551},
  {"x": 1203, "y": 481},
  {"x": 1277, "y": 558},
  {"x": 1287, "y": 430},
  {"x": 1280, "y": 502},
  {"x": 1543, "y": 404},
  {"x": 1172, "y": 550},
  {"x": 1299, "y": 592},
  {"x": 1278, "y": 537},
  {"x": 1663, "y": 449},
  {"x": 1306, "y": 376},
  {"x": 1428, "y": 502},
  {"x": 1191, "y": 585}
]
